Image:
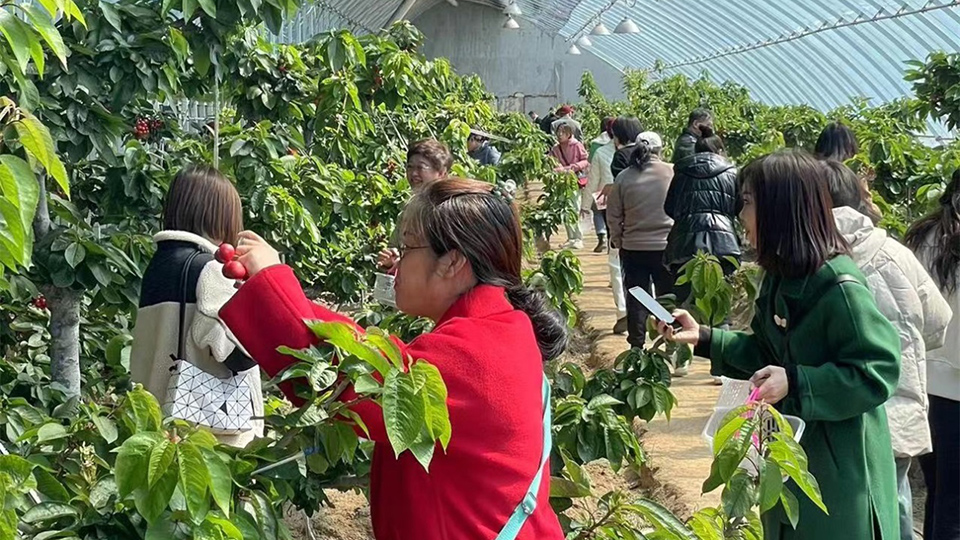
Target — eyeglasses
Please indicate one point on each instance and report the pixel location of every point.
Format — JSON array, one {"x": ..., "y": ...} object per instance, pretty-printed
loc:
[
  {"x": 404, "y": 249},
  {"x": 422, "y": 167}
]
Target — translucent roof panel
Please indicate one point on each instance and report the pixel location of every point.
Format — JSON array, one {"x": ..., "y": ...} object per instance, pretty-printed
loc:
[{"x": 816, "y": 52}]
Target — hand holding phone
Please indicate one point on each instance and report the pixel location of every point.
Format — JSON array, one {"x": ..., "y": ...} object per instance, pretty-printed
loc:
[{"x": 655, "y": 308}]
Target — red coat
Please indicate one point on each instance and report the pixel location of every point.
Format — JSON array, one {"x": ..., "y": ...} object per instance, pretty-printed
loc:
[{"x": 487, "y": 354}]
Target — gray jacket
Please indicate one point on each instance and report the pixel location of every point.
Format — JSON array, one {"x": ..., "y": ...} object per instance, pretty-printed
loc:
[
  {"x": 635, "y": 217},
  {"x": 486, "y": 154}
]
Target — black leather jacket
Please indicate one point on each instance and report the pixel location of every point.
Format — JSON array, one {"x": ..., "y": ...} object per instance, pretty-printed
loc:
[
  {"x": 684, "y": 147},
  {"x": 703, "y": 200}
]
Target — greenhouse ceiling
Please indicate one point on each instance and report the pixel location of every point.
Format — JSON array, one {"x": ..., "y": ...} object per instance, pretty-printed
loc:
[{"x": 818, "y": 52}]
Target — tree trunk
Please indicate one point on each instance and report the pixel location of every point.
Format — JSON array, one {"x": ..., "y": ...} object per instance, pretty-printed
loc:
[{"x": 64, "y": 305}]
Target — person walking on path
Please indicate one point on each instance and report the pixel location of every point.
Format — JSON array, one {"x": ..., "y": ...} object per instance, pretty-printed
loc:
[
  {"x": 461, "y": 267},
  {"x": 910, "y": 299},
  {"x": 936, "y": 241},
  {"x": 565, "y": 117},
  {"x": 819, "y": 349},
  {"x": 571, "y": 157},
  {"x": 703, "y": 201},
  {"x": 639, "y": 228},
  {"x": 592, "y": 200},
  {"x": 684, "y": 147}
]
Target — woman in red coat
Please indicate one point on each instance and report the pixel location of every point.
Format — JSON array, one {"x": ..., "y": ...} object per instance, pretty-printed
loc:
[{"x": 460, "y": 266}]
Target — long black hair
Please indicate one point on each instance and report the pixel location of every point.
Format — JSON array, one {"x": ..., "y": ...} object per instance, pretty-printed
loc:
[
  {"x": 837, "y": 141},
  {"x": 939, "y": 233},
  {"x": 709, "y": 142},
  {"x": 796, "y": 233},
  {"x": 470, "y": 217}
]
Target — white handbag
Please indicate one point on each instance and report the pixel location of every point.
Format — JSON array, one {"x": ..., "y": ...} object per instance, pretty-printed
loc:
[{"x": 224, "y": 406}]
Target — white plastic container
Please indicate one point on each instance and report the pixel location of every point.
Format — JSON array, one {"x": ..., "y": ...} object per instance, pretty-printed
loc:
[
  {"x": 733, "y": 393},
  {"x": 769, "y": 426},
  {"x": 383, "y": 290}
]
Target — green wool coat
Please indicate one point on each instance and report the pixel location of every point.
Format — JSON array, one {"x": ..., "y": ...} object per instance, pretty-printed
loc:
[{"x": 847, "y": 356}]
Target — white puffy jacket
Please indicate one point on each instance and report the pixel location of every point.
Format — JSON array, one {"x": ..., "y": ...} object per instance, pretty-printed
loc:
[{"x": 908, "y": 296}]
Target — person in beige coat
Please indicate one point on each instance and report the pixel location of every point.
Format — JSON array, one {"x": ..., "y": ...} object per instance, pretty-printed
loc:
[
  {"x": 202, "y": 210},
  {"x": 909, "y": 298}
]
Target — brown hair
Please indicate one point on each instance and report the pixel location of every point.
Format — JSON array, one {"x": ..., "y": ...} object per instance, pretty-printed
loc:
[
  {"x": 433, "y": 151},
  {"x": 795, "y": 230},
  {"x": 467, "y": 216},
  {"x": 848, "y": 190},
  {"x": 201, "y": 200},
  {"x": 565, "y": 128}
]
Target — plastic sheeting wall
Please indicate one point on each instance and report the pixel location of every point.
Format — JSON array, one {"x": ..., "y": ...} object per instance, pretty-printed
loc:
[{"x": 527, "y": 61}]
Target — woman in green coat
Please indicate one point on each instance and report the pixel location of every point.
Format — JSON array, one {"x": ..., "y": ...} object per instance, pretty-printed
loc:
[{"x": 819, "y": 350}]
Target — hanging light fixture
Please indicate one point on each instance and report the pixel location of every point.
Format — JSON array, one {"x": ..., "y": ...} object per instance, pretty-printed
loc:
[
  {"x": 627, "y": 26},
  {"x": 584, "y": 41},
  {"x": 600, "y": 29},
  {"x": 511, "y": 23},
  {"x": 513, "y": 10},
  {"x": 573, "y": 49}
]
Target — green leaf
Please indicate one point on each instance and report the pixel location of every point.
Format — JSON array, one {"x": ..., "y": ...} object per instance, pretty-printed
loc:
[
  {"x": 189, "y": 7},
  {"x": 50, "y": 486},
  {"x": 19, "y": 37},
  {"x": 133, "y": 461},
  {"x": 791, "y": 458},
  {"x": 179, "y": 44},
  {"x": 144, "y": 410},
  {"x": 19, "y": 195},
  {"x": 164, "y": 529},
  {"x": 662, "y": 519},
  {"x": 731, "y": 423},
  {"x": 322, "y": 376},
  {"x": 106, "y": 427},
  {"x": 366, "y": 385},
  {"x": 344, "y": 337},
  {"x": 664, "y": 399},
  {"x": 20, "y": 472},
  {"x": 102, "y": 492},
  {"x": 227, "y": 527},
  {"x": 74, "y": 254},
  {"x": 434, "y": 392},
  {"x": 403, "y": 413},
  {"x": 112, "y": 15},
  {"x": 739, "y": 496},
  {"x": 194, "y": 480},
  {"x": 161, "y": 458},
  {"x": 43, "y": 24},
  {"x": 51, "y": 432},
  {"x": 201, "y": 60},
  {"x": 771, "y": 483},
  {"x": 791, "y": 506},
  {"x": 221, "y": 480},
  {"x": 210, "y": 7},
  {"x": 603, "y": 400},
  {"x": 36, "y": 139},
  {"x": 49, "y": 511},
  {"x": 153, "y": 501}
]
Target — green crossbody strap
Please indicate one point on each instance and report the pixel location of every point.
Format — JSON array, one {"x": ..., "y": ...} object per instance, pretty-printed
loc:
[{"x": 529, "y": 503}]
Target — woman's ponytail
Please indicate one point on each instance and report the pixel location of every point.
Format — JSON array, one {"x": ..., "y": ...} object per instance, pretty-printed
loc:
[
  {"x": 641, "y": 155},
  {"x": 548, "y": 324}
]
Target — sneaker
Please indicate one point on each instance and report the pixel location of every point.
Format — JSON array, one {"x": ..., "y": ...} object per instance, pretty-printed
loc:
[
  {"x": 717, "y": 381},
  {"x": 572, "y": 244},
  {"x": 621, "y": 327},
  {"x": 681, "y": 371}
]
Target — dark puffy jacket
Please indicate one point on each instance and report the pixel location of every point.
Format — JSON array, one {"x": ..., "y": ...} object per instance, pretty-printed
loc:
[
  {"x": 684, "y": 147},
  {"x": 703, "y": 200}
]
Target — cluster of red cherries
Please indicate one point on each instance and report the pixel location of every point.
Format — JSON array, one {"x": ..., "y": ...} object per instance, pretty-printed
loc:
[
  {"x": 232, "y": 268},
  {"x": 144, "y": 127}
]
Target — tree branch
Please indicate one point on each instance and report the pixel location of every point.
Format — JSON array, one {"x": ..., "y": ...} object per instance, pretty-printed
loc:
[{"x": 41, "y": 220}]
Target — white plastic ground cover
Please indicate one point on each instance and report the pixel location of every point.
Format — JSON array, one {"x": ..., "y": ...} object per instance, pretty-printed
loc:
[
  {"x": 770, "y": 425},
  {"x": 383, "y": 290}
]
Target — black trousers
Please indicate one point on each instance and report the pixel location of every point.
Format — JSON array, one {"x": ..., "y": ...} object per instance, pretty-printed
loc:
[
  {"x": 941, "y": 471},
  {"x": 642, "y": 269}
]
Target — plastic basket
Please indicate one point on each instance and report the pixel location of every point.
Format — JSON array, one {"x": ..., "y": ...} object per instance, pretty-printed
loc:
[
  {"x": 383, "y": 290},
  {"x": 769, "y": 426}
]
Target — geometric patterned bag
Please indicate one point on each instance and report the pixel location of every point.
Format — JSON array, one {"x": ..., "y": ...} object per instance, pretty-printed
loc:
[{"x": 224, "y": 406}]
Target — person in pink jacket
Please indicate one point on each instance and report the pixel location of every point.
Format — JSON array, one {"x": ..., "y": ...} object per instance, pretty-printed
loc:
[{"x": 572, "y": 157}]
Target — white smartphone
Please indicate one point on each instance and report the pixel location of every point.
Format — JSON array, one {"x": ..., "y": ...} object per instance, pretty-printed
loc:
[{"x": 653, "y": 306}]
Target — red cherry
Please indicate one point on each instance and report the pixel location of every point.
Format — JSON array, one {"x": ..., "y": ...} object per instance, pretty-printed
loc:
[
  {"x": 225, "y": 253},
  {"x": 40, "y": 303},
  {"x": 234, "y": 270}
]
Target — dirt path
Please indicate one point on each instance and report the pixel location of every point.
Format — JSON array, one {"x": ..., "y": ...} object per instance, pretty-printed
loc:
[{"x": 676, "y": 449}]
